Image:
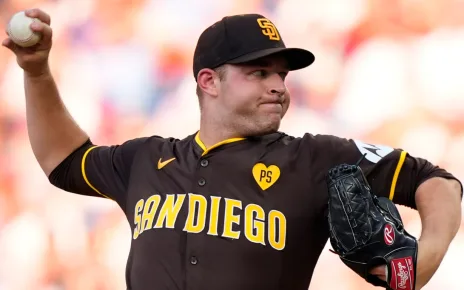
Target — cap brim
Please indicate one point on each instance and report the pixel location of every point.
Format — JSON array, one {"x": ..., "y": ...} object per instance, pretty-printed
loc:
[{"x": 297, "y": 58}]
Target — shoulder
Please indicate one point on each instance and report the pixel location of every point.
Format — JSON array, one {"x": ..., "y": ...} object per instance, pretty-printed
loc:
[
  {"x": 334, "y": 149},
  {"x": 329, "y": 143},
  {"x": 160, "y": 140},
  {"x": 156, "y": 143},
  {"x": 306, "y": 142},
  {"x": 286, "y": 139}
]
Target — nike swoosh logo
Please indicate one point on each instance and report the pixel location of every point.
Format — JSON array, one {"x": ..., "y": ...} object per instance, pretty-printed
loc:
[{"x": 161, "y": 164}]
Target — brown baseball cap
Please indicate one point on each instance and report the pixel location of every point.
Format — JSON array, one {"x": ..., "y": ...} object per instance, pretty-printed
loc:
[{"x": 241, "y": 38}]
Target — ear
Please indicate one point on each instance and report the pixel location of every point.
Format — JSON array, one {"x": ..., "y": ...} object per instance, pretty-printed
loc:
[{"x": 206, "y": 81}]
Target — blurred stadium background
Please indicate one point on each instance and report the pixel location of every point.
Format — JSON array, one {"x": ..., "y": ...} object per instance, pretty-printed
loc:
[{"x": 386, "y": 71}]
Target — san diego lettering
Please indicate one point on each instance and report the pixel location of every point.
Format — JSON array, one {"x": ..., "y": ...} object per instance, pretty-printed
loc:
[{"x": 254, "y": 218}]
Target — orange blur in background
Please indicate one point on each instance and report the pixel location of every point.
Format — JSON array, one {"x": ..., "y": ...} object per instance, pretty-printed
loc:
[{"x": 386, "y": 71}]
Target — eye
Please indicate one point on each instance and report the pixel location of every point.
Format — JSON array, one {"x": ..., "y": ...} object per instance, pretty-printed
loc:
[{"x": 260, "y": 73}]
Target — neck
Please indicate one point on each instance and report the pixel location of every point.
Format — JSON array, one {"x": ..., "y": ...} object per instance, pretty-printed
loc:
[{"x": 212, "y": 133}]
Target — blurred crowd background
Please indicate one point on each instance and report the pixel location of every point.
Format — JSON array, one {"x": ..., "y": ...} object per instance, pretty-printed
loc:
[{"x": 386, "y": 72}]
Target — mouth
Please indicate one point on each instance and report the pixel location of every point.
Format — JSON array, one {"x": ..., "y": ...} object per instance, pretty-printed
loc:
[
  {"x": 272, "y": 102},
  {"x": 272, "y": 107}
]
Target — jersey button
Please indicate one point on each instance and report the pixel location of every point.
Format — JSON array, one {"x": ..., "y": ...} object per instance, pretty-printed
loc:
[
  {"x": 204, "y": 163},
  {"x": 201, "y": 182},
  {"x": 193, "y": 260}
]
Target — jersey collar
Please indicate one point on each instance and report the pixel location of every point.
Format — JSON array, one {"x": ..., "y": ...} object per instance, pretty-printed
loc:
[{"x": 205, "y": 150}]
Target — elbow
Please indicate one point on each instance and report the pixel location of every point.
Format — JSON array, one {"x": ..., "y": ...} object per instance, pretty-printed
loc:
[
  {"x": 49, "y": 167},
  {"x": 440, "y": 195},
  {"x": 449, "y": 189},
  {"x": 48, "y": 163},
  {"x": 50, "y": 160},
  {"x": 439, "y": 205},
  {"x": 456, "y": 191},
  {"x": 456, "y": 197},
  {"x": 456, "y": 185},
  {"x": 61, "y": 161}
]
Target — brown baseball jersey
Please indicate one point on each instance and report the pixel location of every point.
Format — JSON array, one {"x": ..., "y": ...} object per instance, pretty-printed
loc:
[{"x": 247, "y": 213}]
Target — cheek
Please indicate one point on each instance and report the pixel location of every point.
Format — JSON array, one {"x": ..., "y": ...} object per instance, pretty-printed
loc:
[{"x": 241, "y": 98}]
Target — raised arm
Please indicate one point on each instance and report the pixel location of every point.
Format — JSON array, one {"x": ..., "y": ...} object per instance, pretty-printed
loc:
[{"x": 53, "y": 133}]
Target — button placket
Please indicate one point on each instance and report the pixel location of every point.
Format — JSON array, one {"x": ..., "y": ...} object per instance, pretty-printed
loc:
[
  {"x": 195, "y": 246},
  {"x": 193, "y": 260},
  {"x": 204, "y": 162}
]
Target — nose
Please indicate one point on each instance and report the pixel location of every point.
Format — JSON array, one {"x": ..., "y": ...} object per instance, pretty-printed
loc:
[{"x": 277, "y": 85}]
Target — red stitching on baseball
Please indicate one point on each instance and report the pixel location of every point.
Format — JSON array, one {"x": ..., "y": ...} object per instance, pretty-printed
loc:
[{"x": 21, "y": 40}]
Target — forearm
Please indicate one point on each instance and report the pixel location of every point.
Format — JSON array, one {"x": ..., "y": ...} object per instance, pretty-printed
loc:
[
  {"x": 53, "y": 133},
  {"x": 439, "y": 204}
]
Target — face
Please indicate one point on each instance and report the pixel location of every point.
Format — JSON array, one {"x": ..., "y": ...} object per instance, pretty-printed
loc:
[{"x": 252, "y": 97}]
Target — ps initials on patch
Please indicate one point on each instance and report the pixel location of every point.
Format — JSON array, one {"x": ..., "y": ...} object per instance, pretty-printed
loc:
[{"x": 265, "y": 176}]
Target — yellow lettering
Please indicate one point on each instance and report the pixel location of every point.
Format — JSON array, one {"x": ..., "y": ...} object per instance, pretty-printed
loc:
[
  {"x": 137, "y": 218},
  {"x": 169, "y": 211},
  {"x": 274, "y": 218},
  {"x": 253, "y": 224},
  {"x": 200, "y": 214},
  {"x": 213, "y": 217},
  {"x": 254, "y": 218},
  {"x": 149, "y": 211},
  {"x": 231, "y": 219}
]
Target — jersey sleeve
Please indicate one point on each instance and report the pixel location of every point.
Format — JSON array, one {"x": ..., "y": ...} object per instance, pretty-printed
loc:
[
  {"x": 391, "y": 172},
  {"x": 101, "y": 171}
]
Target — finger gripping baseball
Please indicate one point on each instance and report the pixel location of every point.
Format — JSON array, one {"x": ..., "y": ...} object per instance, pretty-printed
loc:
[{"x": 367, "y": 231}]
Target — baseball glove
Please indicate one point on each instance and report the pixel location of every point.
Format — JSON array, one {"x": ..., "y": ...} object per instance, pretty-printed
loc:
[{"x": 367, "y": 231}]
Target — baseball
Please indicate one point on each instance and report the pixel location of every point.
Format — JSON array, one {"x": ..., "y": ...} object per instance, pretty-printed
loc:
[{"x": 20, "y": 32}]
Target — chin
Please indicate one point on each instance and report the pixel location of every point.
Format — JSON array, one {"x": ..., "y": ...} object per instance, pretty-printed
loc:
[
  {"x": 274, "y": 122},
  {"x": 268, "y": 128},
  {"x": 258, "y": 126}
]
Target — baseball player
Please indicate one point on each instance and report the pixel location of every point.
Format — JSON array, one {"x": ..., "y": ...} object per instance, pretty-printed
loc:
[{"x": 238, "y": 204}]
